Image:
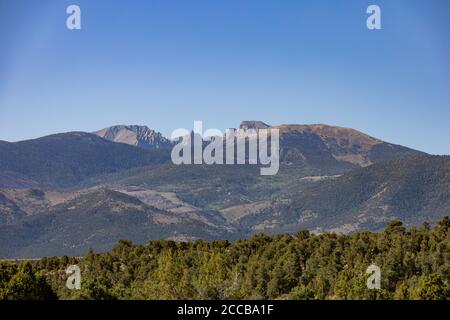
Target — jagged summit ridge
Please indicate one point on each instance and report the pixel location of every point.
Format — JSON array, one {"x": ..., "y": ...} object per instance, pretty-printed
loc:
[{"x": 140, "y": 136}]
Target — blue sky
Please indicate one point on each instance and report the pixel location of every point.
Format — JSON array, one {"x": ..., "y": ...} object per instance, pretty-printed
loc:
[{"x": 167, "y": 63}]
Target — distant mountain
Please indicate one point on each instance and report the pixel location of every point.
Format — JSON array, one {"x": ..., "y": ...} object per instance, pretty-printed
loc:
[
  {"x": 246, "y": 125},
  {"x": 63, "y": 193},
  {"x": 328, "y": 146},
  {"x": 412, "y": 190},
  {"x": 324, "y": 145},
  {"x": 65, "y": 159},
  {"x": 140, "y": 136}
]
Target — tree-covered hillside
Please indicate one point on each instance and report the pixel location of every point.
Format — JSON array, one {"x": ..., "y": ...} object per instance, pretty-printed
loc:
[
  {"x": 414, "y": 263},
  {"x": 411, "y": 190}
]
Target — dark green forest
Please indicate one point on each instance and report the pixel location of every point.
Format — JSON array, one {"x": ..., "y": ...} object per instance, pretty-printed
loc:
[{"x": 414, "y": 263}]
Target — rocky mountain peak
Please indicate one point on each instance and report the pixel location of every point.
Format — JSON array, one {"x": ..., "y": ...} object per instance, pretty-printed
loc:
[
  {"x": 245, "y": 125},
  {"x": 141, "y": 136}
]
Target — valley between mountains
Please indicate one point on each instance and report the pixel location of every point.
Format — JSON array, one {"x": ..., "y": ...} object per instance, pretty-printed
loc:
[{"x": 65, "y": 193}]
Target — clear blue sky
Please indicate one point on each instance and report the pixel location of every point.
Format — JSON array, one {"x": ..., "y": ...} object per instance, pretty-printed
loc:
[{"x": 167, "y": 63}]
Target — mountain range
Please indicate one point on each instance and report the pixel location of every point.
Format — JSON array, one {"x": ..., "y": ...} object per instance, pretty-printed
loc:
[{"x": 65, "y": 193}]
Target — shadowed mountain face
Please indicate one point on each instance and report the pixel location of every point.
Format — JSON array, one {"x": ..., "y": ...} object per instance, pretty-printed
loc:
[
  {"x": 63, "y": 160},
  {"x": 141, "y": 136},
  {"x": 70, "y": 191}
]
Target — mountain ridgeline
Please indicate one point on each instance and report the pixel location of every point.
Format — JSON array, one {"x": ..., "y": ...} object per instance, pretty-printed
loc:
[
  {"x": 63, "y": 160},
  {"x": 140, "y": 136},
  {"x": 65, "y": 193}
]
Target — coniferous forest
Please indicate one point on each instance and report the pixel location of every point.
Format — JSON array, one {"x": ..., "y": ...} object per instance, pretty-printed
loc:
[{"x": 414, "y": 263}]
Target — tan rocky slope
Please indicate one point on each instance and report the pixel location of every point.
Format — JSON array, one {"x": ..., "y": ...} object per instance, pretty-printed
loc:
[{"x": 141, "y": 136}]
